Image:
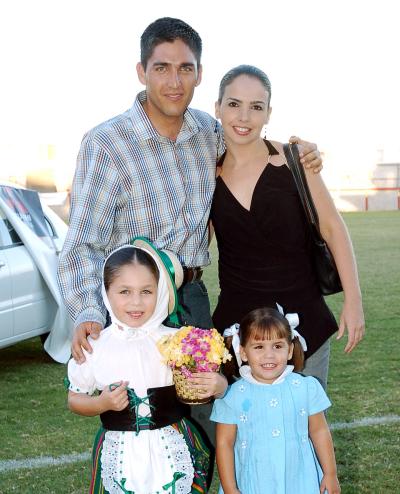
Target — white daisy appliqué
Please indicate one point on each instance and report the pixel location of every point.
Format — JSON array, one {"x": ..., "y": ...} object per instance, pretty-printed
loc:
[
  {"x": 243, "y": 444},
  {"x": 242, "y": 388},
  {"x": 273, "y": 402},
  {"x": 243, "y": 417},
  {"x": 302, "y": 412},
  {"x": 296, "y": 382},
  {"x": 275, "y": 432}
]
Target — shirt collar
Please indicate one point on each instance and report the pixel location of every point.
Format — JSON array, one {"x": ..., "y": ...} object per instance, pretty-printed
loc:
[
  {"x": 245, "y": 372},
  {"x": 144, "y": 129}
]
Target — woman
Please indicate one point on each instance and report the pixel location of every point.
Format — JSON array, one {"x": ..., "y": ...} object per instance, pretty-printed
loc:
[{"x": 262, "y": 235}]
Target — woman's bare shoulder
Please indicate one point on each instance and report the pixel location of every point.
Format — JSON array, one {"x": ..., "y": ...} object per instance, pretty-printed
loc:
[
  {"x": 277, "y": 159},
  {"x": 278, "y": 146}
]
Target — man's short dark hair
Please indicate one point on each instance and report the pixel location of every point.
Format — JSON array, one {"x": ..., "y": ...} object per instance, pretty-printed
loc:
[{"x": 168, "y": 29}]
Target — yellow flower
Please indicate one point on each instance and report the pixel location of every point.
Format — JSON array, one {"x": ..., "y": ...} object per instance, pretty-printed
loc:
[{"x": 190, "y": 346}]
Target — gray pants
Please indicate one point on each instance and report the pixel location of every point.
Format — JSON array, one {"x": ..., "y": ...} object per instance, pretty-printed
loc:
[
  {"x": 318, "y": 364},
  {"x": 193, "y": 297}
]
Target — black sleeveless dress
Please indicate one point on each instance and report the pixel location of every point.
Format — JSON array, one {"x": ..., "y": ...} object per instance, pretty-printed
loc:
[{"x": 264, "y": 256}]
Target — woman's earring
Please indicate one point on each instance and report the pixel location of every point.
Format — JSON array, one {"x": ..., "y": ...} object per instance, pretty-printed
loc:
[{"x": 265, "y": 133}]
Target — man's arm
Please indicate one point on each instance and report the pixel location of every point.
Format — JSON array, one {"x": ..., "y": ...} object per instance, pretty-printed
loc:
[{"x": 93, "y": 203}]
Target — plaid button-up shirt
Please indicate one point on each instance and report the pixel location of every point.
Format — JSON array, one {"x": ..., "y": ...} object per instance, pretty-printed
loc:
[{"x": 130, "y": 181}]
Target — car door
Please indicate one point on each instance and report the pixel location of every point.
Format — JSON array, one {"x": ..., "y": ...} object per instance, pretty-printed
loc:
[
  {"x": 6, "y": 302},
  {"x": 33, "y": 307}
]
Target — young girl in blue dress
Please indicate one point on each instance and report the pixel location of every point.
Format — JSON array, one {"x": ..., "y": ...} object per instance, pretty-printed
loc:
[
  {"x": 272, "y": 436},
  {"x": 145, "y": 444}
]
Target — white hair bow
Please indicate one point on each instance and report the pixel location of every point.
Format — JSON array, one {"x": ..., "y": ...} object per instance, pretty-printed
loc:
[
  {"x": 234, "y": 332},
  {"x": 293, "y": 320}
]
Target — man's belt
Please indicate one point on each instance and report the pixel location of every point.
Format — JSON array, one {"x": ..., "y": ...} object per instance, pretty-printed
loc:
[
  {"x": 165, "y": 409},
  {"x": 192, "y": 274}
]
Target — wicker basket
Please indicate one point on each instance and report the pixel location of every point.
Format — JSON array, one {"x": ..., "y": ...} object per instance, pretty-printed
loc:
[{"x": 185, "y": 393}]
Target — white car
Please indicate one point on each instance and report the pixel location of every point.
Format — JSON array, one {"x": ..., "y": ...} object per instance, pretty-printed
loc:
[{"x": 31, "y": 237}]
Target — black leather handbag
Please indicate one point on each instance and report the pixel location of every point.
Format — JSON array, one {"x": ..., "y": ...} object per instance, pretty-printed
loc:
[{"x": 324, "y": 263}]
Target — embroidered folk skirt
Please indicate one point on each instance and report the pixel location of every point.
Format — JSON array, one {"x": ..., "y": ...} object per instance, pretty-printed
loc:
[{"x": 199, "y": 455}]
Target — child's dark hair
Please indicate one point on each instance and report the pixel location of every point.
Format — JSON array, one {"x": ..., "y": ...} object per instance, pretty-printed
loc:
[
  {"x": 168, "y": 29},
  {"x": 266, "y": 324},
  {"x": 125, "y": 256}
]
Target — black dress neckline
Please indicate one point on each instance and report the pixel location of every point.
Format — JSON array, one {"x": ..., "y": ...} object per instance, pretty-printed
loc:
[{"x": 272, "y": 151}]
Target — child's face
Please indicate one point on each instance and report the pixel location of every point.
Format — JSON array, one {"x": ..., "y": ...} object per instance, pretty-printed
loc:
[
  {"x": 133, "y": 294},
  {"x": 266, "y": 358}
]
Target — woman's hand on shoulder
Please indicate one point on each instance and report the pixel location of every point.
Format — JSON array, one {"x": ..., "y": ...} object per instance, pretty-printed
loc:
[
  {"x": 209, "y": 384},
  {"x": 352, "y": 318}
]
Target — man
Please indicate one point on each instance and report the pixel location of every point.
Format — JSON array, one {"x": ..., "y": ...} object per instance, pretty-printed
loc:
[{"x": 148, "y": 172}]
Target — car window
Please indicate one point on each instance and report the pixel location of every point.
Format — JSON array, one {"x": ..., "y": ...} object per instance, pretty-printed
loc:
[{"x": 8, "y": 236}]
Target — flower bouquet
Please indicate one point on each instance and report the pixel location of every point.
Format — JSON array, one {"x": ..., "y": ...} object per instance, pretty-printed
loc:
[{"x": 192, "y": 350}]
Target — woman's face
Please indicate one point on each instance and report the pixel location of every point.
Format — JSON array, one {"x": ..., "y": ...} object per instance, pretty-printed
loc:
[
  {"x": 133, "y": 294},
  {"x": 244, "y": 110}
]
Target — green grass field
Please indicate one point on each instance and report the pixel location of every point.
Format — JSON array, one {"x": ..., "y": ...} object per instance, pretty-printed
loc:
[{"x": 35, "y": 421}]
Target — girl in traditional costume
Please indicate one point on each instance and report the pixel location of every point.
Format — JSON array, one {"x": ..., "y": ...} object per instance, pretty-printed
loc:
[{"x": 145, "y": 444}]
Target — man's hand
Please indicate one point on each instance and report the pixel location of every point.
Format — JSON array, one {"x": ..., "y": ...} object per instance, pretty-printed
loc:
[
  {"x": 309, "y": 154},
  {"x": 79, "y": 340}
]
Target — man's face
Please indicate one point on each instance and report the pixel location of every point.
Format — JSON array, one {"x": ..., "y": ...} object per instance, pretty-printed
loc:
[{"x": 170, "y": 78}]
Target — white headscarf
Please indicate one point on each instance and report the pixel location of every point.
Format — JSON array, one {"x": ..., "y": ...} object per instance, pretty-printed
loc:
[{"x": 161, "y": 310}]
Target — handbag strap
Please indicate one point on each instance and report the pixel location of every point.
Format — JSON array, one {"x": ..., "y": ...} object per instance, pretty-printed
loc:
[{"x": 293, "y": 160}]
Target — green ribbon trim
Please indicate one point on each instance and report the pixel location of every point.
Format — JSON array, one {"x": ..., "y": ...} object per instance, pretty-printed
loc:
[
  {"x": 134, "y": 403},
  {"x": 177, "y": 476},
  {"x": 177, "y": 309},
  {"x": 173, "y": 317},
  {"x": 122, "y": 486},
  {"x": 66, "y": 383}
]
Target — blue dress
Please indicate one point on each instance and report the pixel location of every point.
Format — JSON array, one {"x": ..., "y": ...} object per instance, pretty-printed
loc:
[{"x": 273, "y": 451}]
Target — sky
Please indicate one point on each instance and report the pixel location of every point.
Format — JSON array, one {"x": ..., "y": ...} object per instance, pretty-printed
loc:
[{"x": 333, "y": 65}]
